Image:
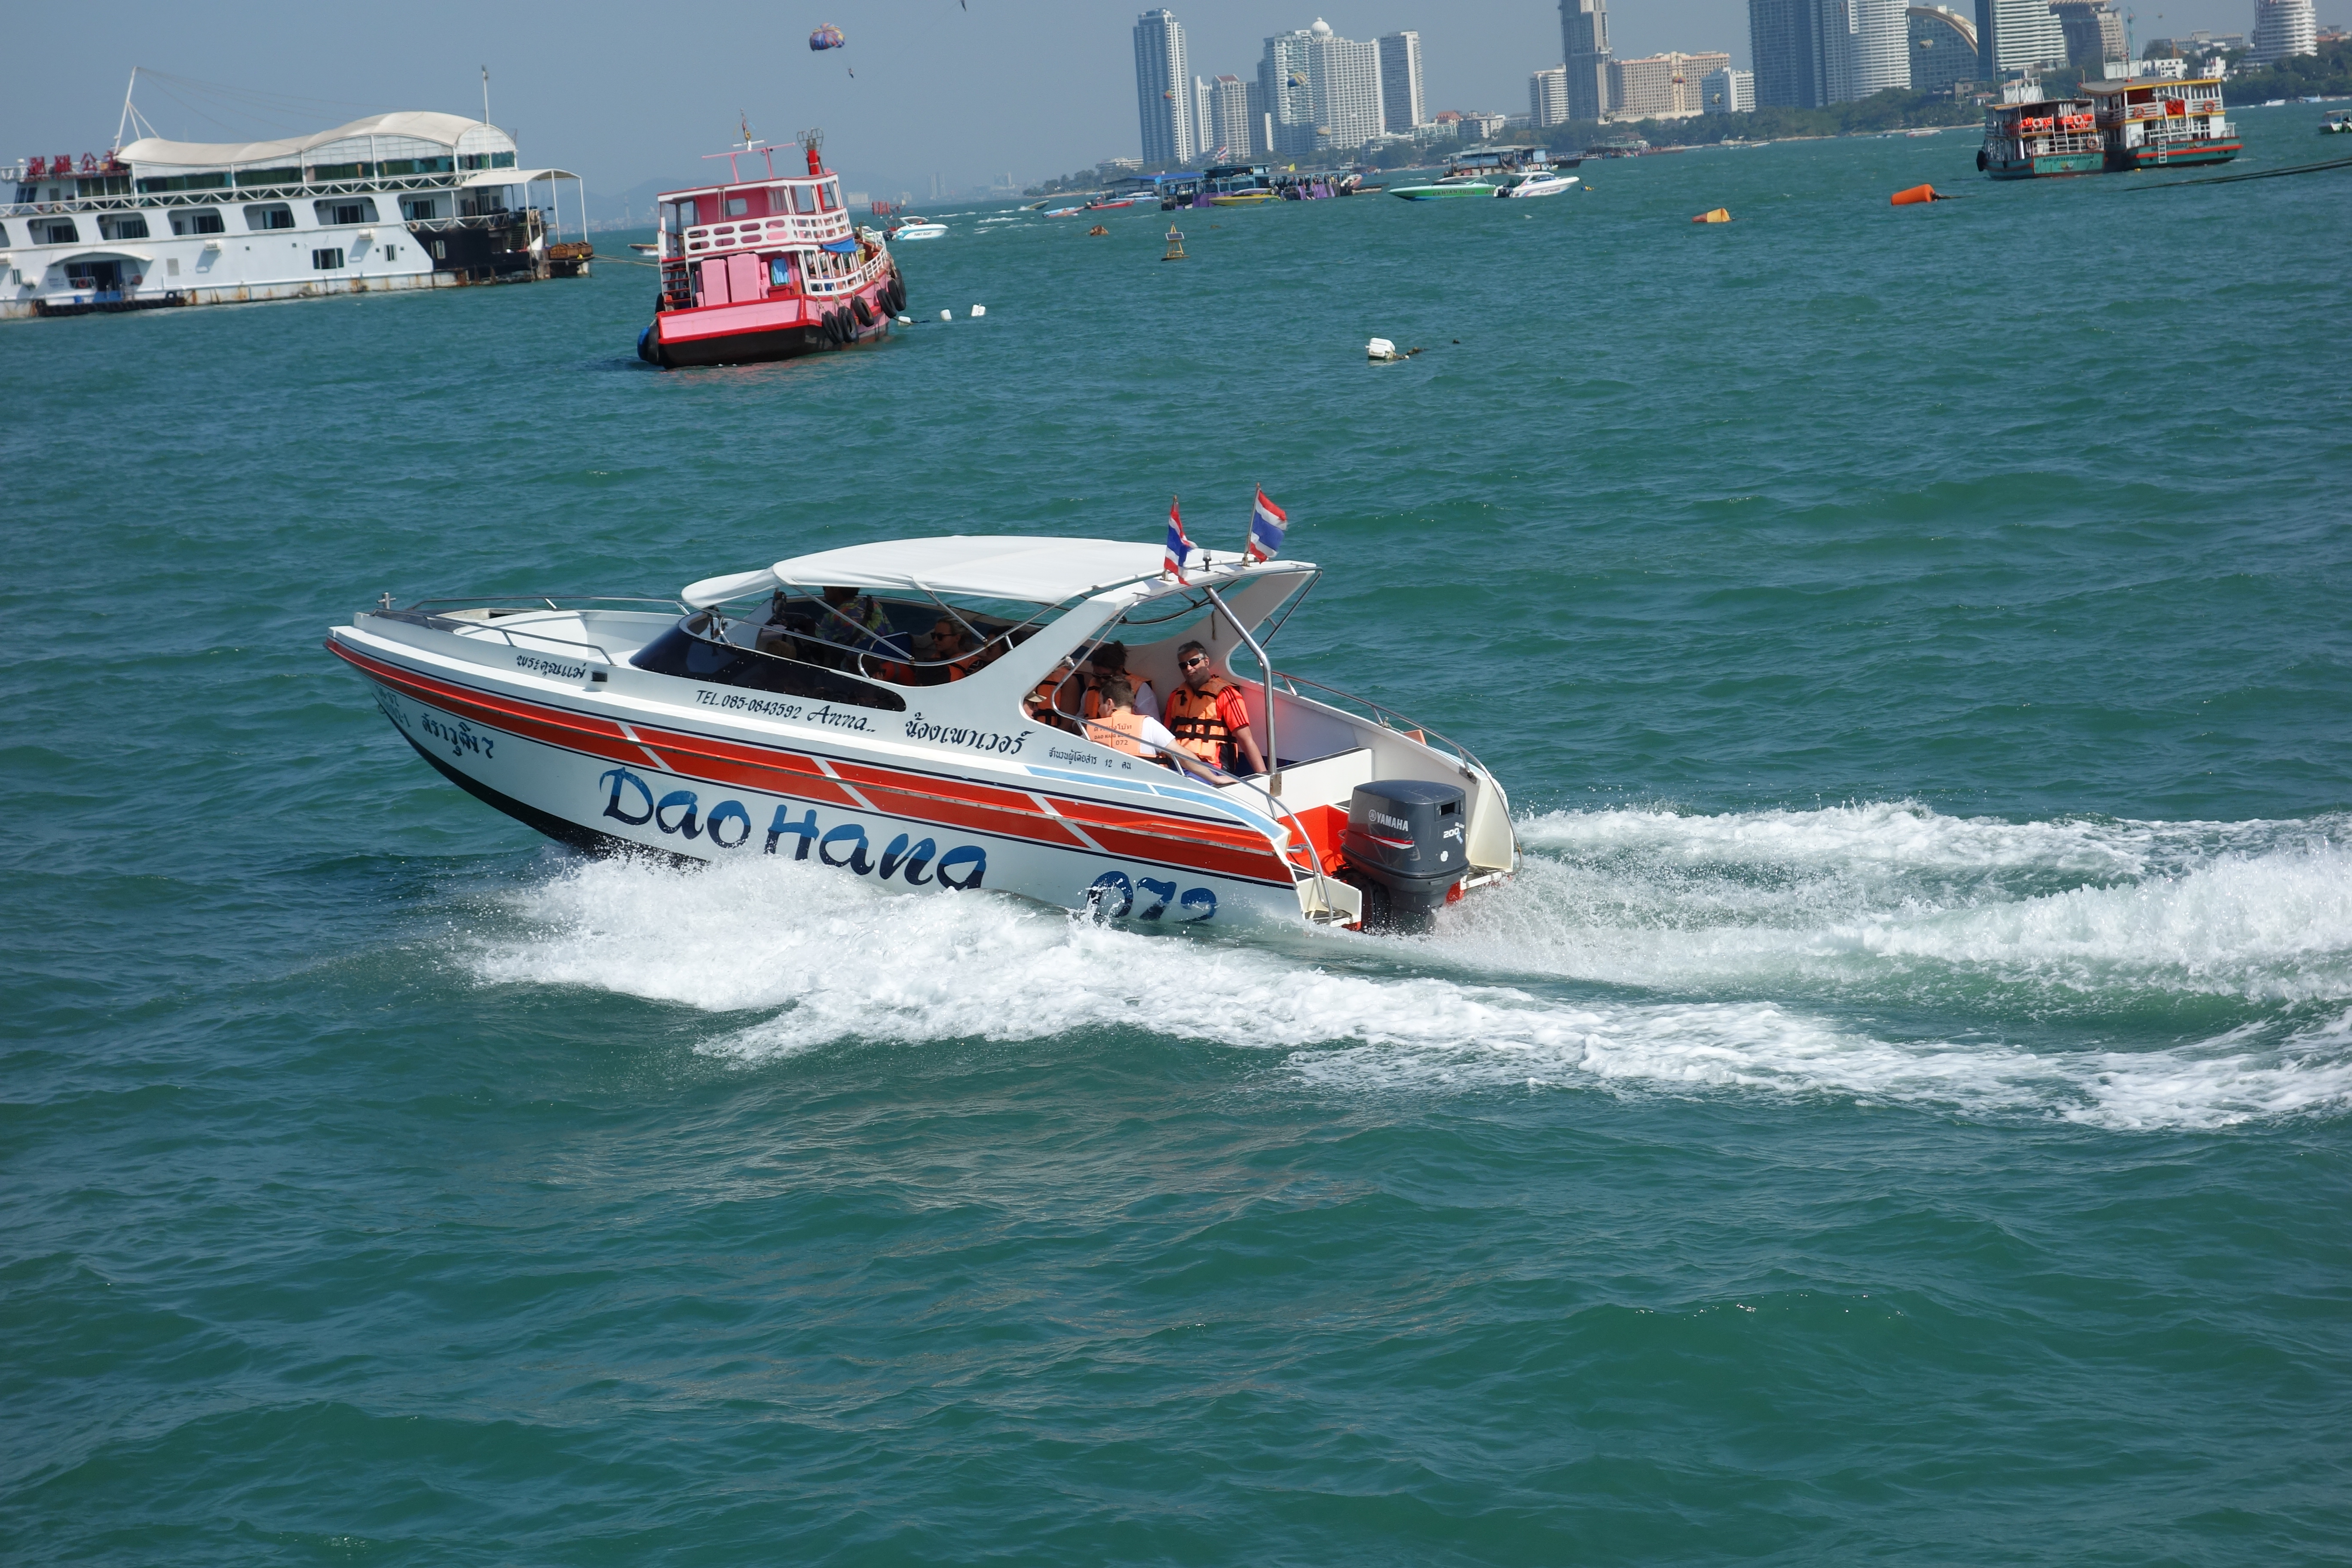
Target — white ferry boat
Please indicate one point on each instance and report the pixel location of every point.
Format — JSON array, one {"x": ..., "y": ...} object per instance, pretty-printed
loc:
[
  {"x": 901, "y": 711},
  {"x": 411, "y": 200}
]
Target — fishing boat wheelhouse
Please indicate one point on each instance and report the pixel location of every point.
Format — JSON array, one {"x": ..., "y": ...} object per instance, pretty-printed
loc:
[
  {"x": 2040, "y": 139},
  {"x": 2156, "y": 124},
  {"x": 900, "y": 711},
  {"x": 765, "y": 268}
]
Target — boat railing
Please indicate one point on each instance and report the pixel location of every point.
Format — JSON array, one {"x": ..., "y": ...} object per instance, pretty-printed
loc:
[
  {"x": 1386, "y": 718},
  {"x": 422, "y": 614}
]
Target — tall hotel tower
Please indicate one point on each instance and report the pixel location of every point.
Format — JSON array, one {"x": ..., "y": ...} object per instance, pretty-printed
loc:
[
  {"x": 1584, "y": 42},
  {"x": 1163, "y": 88},
  {"x": 1400, "y": 104}
]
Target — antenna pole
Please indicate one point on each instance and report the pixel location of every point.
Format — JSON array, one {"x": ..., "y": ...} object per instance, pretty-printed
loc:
[
  {"x": 486, "y": 95},
  {"x": 125, "y": 121}
]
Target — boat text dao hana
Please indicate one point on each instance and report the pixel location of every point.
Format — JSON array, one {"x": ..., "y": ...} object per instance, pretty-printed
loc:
[
  {"x": 893, "y": 711},
  {"x": 767, "y": 269}
]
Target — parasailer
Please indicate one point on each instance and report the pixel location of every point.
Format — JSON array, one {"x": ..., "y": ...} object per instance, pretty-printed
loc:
[{"x": 826, "y": 37}]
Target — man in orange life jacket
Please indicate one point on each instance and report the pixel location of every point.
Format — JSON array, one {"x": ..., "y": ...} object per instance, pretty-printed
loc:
[{"x": 1207, "y": 716}]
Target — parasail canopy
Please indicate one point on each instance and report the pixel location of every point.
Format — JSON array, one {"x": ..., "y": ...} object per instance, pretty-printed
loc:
[{"x": 826, "y": 38}]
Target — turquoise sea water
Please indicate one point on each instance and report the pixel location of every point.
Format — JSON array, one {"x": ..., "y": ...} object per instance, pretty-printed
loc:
[{"x": 1900, "y": 1114}]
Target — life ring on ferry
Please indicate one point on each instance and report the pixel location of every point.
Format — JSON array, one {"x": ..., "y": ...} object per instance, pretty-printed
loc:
[{"x": 864, "y": 312}]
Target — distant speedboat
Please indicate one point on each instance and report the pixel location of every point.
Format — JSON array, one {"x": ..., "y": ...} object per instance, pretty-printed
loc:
[
  {"x": 645, "y": 249},
  {"x": 1490, "y": 171},
  {"x": 915, "y": 228},
  {"x": 2337, "y": 124},
  {"x": 1544, "y": 183}
]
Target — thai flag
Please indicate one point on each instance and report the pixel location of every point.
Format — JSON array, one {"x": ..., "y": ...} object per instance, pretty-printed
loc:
[
  {"x": 1267, "y": 526},
  {"x": 1180, "y": 548}
]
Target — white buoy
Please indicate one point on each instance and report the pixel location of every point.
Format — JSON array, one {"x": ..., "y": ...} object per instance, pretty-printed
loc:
[
  {"x": 947, "y": 315},
  {"x": 978, "y": 310},
  {"x": 906, "y": 320},
  {"x": 1381, "y": 349}
]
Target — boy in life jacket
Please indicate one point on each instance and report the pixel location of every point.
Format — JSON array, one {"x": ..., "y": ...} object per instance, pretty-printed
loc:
[
  {"x": 1109, "y": 660},
  {"x": 1122, "y": 729},
  {"x": 1207, "y": 715}
]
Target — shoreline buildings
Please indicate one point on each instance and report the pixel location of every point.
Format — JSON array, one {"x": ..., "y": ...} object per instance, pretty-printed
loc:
[
  {"x": 1662, "y": 86},
  {"x": 1810, "y": 54},
  {"x": 1402, "y": 110},
  {"x": 1164, "y": 96},
  {"x": 1584, "y": 51},
  {"x": 1943, "y": 49},
  {"x": 2284, "y": 29}
]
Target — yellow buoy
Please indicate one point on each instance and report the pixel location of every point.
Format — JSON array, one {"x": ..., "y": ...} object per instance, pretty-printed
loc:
[{"x": 1714, "y": 215}]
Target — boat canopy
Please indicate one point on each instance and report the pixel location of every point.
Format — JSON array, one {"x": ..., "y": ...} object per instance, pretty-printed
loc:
[
  {"x": 516, "y": 177},
  {"x": 447, "y": 130},
  {"x": 991, "y": 567}
]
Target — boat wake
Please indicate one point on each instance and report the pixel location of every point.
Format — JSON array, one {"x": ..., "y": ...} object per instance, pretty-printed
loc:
[{"x": 2118, "y": 974}]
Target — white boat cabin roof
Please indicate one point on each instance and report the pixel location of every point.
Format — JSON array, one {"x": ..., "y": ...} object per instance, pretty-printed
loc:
[
  {"x": 443, "y": 131},
  {"x": 987, "y": 565}
]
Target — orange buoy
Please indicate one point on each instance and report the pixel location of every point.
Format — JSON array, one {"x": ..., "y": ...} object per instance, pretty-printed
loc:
[
  {"x": 1714, "y": 215},
  {"x": 1916, "y": 193}
]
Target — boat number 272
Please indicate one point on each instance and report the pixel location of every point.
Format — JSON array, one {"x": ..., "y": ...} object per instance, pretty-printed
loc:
[{"x": 1114, "y": 897}]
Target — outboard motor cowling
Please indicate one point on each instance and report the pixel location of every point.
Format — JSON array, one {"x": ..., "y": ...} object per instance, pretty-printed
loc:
[{"x": 1405, "y": 848}]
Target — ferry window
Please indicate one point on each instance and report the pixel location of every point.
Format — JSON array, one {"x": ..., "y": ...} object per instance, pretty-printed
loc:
[
  {"x": 326, "y": 261},
  {"x": 196, "y": 220},
  {"x": 440, "y": 250},
  {"x": 419, "y": 210},
  {"x": 804, "y": 198},
  {"x": 342, "y": 171},
  {"x": 828, "y": 197},
  {"x": 274, "y": 215},
  {"x": 254, "y": 177},
  {"x": 780, "y": 271},
  {"x": 130, "y": 225},
  {"x": 738, "y": 206},
  {"x": 55, "y": 231},
  {"x": 346, "y": 211},
  {"x": 688, "y": 216},
  {"x": 183, "y": 183}
]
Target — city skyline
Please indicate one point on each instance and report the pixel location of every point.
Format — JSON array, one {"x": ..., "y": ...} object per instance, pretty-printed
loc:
[{"x": 572, "y": 83}]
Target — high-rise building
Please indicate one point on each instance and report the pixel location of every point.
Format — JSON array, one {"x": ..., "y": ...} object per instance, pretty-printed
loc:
[
  {"x": 1163, "y": 87},
  {"x": 1285, "y": 96},
  {"x": 2284, "y": 29},
  {"x": 1585, "y": 43},
  {"x": 1866, "y": 49},
  {"x": 1784, "y": 41},
  {"x": 1322, "y": 91},
  {"x": 2093, "y": 32},
  {"x": 1727, "y": 92},
  {"x": 1231, "y": 133},
  {"x": 1661, "y": 87},
  {"x": 1943, "y": 48},
  {"x": 1477, "y": 125},
  {"x": 1547, "y": 98},
  {"x": 2018, "y": 36},
  {"x": 1400, "y": 100}
]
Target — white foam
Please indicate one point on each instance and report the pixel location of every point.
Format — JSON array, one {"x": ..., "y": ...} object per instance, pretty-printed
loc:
[
  {"x": 1897, "y": 902},
  {"x": 824, "y": 959}
]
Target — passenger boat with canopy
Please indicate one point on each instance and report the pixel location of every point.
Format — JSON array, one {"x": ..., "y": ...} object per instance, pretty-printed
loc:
[
  {"x": 2159, "y": 124},
  {"x": 1495, "y": 171},
  {"x": 906, "y": 711},
  {"x": 766, "y": 269},
  {"x": 2040, "y": 139}
]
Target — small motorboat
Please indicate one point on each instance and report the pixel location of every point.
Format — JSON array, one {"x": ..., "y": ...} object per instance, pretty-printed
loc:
[
  {"x": 890, "y": 710},
  {"x": 914, "y": 228},
  {"x": 1064, "y": 211},
  {"x": 2337, "y": 123},
  {"x": 1540, "y": 183},
  {"x": 644, "y": 249},
  {"x": 1492, "y": 172}
]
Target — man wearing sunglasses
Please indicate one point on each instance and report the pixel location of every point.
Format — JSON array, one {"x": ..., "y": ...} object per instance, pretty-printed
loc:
[{"x": 1207, "y": 716}]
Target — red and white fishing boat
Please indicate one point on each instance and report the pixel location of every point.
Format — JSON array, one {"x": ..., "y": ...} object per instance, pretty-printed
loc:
[
  {"x": 874, "y": 708},
  {"x": 765, "y": 268}
]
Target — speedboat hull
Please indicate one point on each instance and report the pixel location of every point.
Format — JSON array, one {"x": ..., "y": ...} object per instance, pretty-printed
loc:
[
  {"x": 1467, "y": 188},
  {"x": 571, "y": 766},
  {"x": 1540, "y": 186}
]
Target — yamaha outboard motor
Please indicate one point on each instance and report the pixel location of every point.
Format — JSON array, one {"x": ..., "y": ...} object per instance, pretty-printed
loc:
[{"x": 1405, "y": 848}]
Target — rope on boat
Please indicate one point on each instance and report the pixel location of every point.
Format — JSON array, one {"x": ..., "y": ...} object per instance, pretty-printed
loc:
[{"x": 2257, "y": 175}]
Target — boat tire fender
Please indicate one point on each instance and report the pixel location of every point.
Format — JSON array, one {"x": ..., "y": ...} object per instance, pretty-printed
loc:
[
  {"x": 864, "y": 312},
  {"x": 832, "y": 327},
  {"x": 1981, "y": 160}
]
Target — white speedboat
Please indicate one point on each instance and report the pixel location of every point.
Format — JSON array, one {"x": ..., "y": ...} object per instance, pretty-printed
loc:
[
  {"x": 871, "y": 708},
  {"x": 916, "y": 228},
  {"x": 1542, "y": 182}
]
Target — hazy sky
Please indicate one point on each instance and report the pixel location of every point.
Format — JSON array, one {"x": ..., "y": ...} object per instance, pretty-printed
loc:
[{"x": 628, "y": 93}]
